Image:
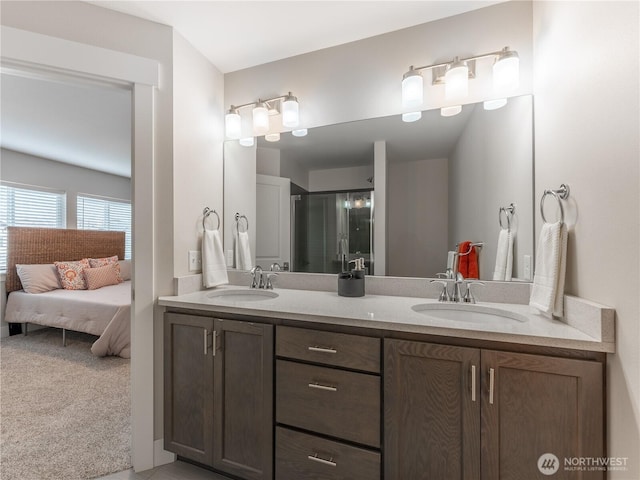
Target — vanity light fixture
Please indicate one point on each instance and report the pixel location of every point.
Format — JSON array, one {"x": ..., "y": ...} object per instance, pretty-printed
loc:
[
  {"x": 495, "y": 104},
  {"x": 450, "y": 111},
  {"x": 247, "y": 141},
  {"x": 455, "y": 76},
  {"x": 300, "y": 132},
  {"x": 262, "y": 109},
  {"x": 272, "y": 137}
]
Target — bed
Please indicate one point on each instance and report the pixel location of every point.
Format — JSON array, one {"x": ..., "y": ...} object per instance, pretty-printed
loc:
[{"x": 104, "y": 312}]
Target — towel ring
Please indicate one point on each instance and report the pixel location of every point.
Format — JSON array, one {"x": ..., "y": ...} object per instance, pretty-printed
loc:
[
  {"x": 206, "y": 212},
  {"x": 239, "y": 217},
  {"x": 508, "y": 214},
  {"x": 561, "y": 194}
]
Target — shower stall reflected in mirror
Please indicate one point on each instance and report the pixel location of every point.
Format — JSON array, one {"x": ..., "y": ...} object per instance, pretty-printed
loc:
[{"x": 328, "y": 229}]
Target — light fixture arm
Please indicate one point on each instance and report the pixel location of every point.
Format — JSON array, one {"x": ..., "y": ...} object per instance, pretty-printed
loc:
[
  {"x": 260, "y": 100},
  {"x": 468, "y": 59}
]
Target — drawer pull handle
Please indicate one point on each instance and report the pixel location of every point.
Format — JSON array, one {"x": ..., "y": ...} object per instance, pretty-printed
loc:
[
  {"x": 322, "y": 349},
  {"x": 319, "y": 386},
  {"x": 316, "y": 458}
]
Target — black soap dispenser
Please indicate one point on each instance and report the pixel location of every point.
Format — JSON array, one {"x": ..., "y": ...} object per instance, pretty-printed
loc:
[{"x": 351, "y": 284}]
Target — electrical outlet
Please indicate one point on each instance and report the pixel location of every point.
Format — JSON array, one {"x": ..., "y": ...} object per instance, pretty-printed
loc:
[
  {"x": 527, "y": 267},
  {"x": 195, "y": 261}
]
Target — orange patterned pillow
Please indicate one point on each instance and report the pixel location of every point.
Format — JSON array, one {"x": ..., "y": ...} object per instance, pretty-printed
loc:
[
  {"x": 71, "y": 274},
  {"x": 101, "y": 262},
  {"x": 99, "y": 277}
]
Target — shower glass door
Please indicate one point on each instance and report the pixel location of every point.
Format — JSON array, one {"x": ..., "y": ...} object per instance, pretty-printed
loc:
[{"x": 328, "y": 229}]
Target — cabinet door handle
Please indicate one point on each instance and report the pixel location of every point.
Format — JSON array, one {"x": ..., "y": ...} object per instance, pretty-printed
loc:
[
  {"x": 473, "y": 383},
  {"x": 316, "y": 458},
  {"x": 206, "y": 334},
  {"x": 214, "y": 346},
  {"x": 319, "y": 386},
  {"x": 492, "y": 378},
  {"x": 322, "y": 349}
]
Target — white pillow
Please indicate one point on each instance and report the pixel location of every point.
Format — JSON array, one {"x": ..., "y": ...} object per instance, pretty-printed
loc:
[
  {"x": 125, "y": 269},
  {"x": 38, "y": 278}
]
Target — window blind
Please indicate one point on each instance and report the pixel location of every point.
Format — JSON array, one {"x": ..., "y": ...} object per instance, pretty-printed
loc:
[
  {"x": 26, "y": 206},
  {"x": 98, "y": 213}
]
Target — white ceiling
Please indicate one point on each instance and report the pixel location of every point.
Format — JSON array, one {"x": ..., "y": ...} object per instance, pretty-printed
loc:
[
  {"x": 82, "y": 124},
  {"x": 56, "y": 120},
  {"x": 235, "y": 35}
]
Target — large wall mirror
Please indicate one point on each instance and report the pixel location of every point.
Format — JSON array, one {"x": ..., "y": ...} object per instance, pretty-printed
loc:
[{"x": 441, "y": 181}]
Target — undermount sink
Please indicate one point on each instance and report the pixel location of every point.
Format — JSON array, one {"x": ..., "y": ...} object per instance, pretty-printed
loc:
[
  {"x": 467, "y": 312},
  {"x": 243, "y": 295}
]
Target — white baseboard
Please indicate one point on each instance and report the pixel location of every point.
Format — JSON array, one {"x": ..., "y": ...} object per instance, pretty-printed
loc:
[{"x": 160, "y": 455}]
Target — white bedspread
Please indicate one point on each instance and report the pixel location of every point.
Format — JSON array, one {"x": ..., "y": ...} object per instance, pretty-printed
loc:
[{"x": 105, "y": 312}]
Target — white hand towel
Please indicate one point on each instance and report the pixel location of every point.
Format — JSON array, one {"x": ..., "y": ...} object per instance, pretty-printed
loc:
[
  {"x": 214, "y": 267},
  {"x": 504, "y": 256},
  {"x": 547, "y": 294},
  {"x": 243, "y": 251}
]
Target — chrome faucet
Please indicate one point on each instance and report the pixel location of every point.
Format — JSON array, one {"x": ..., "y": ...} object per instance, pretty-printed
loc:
[
  {"x": 458, "y": 283},
  {"x": 275, "y": 267},
  {"x": 269, "y": 283},
  {"x": 256, "y": 277}
]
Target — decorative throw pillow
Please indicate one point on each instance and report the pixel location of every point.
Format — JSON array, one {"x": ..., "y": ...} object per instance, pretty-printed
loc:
[
  {"x": 125, "y": 270},
  {"x": 71, "y": 274},
  {"x": 99, "y": 277},
  {"x": 38, "y": 278},
  {"x": 101, "y": 262}
]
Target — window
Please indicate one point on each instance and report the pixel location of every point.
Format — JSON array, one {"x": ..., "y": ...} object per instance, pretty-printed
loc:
[
  {"x": 99, "y": 213},
  {"x": 27, "y": 206}
]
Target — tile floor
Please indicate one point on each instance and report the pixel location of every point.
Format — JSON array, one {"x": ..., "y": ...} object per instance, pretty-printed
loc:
[{"x": 172, "y": 471}]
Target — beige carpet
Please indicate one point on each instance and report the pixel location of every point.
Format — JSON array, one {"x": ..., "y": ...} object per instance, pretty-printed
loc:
[{"x": 64, "y": 413}]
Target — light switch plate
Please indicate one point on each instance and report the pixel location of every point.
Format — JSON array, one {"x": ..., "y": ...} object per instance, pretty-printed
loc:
[
  {"x": 195, "y": 261},
  {"x": 527, "y": 267}
]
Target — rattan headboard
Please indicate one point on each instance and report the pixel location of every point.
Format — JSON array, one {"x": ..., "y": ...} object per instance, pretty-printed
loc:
[{"x": 26, "y": 245}]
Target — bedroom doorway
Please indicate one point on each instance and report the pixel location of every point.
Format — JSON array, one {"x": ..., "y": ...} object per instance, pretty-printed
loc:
[{"x": 57, "y": 58}]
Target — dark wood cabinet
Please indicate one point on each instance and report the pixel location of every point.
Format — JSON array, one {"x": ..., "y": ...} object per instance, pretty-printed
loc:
[
  {"x": 188, "y": 387},
  {"x": 432, "y": 411},
  {"x": 464, "y": 413},
  {"x": 219, "y": 393},
  {"x": 328, "y": 411},
  {"x": 536, "y": 405}
]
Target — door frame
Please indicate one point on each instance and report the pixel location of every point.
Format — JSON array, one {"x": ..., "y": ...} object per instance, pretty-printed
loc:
[{"x": 54, "y": 56}]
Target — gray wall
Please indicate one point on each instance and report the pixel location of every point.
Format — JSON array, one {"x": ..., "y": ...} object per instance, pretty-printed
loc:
[
  {"x": 418, "y": 209},
  {"x": 483, "y": 154},
  {"x": 29, "y": 170}
]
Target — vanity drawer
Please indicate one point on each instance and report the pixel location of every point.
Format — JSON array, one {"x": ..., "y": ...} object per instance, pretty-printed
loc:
[
  {"x": 300, "y": 456},
  {"x": 329, "y": 401},
  {"x": 339, "y": 349}
]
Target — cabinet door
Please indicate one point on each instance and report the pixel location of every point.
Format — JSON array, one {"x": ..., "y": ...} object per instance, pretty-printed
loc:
[
  {"x": 188, "y": 387},
  {"x": 243, "y": 399},
  {"x": 431, "y": 411},
  {"x": 538, "y": 405}
]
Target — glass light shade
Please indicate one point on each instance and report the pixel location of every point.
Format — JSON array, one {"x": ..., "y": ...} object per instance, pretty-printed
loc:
[
  {"x": 411, "y": 116},
  {"x": 290, "y": 116},
  {"x": 412, "y": 89},
  {"x": 506, "y": 72},
  {"x": 272, "y": 137},
  {"x": 233, "y": 124},
  {"x": 450, "y": 111},
  {"x": 300, "y": 132},
  {"x": 456, "y": 80},
  {"x": 260, "y": 119},
  {"x": 247, "y": 141},
  {"x": 495, "y": 104}
]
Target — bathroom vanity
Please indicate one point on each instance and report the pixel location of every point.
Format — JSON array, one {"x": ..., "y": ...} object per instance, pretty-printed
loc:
[{"x": 308, "y": 385}]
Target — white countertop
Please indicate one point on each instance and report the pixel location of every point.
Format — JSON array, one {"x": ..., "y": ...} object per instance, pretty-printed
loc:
[{"x": 394, "y": 313}]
